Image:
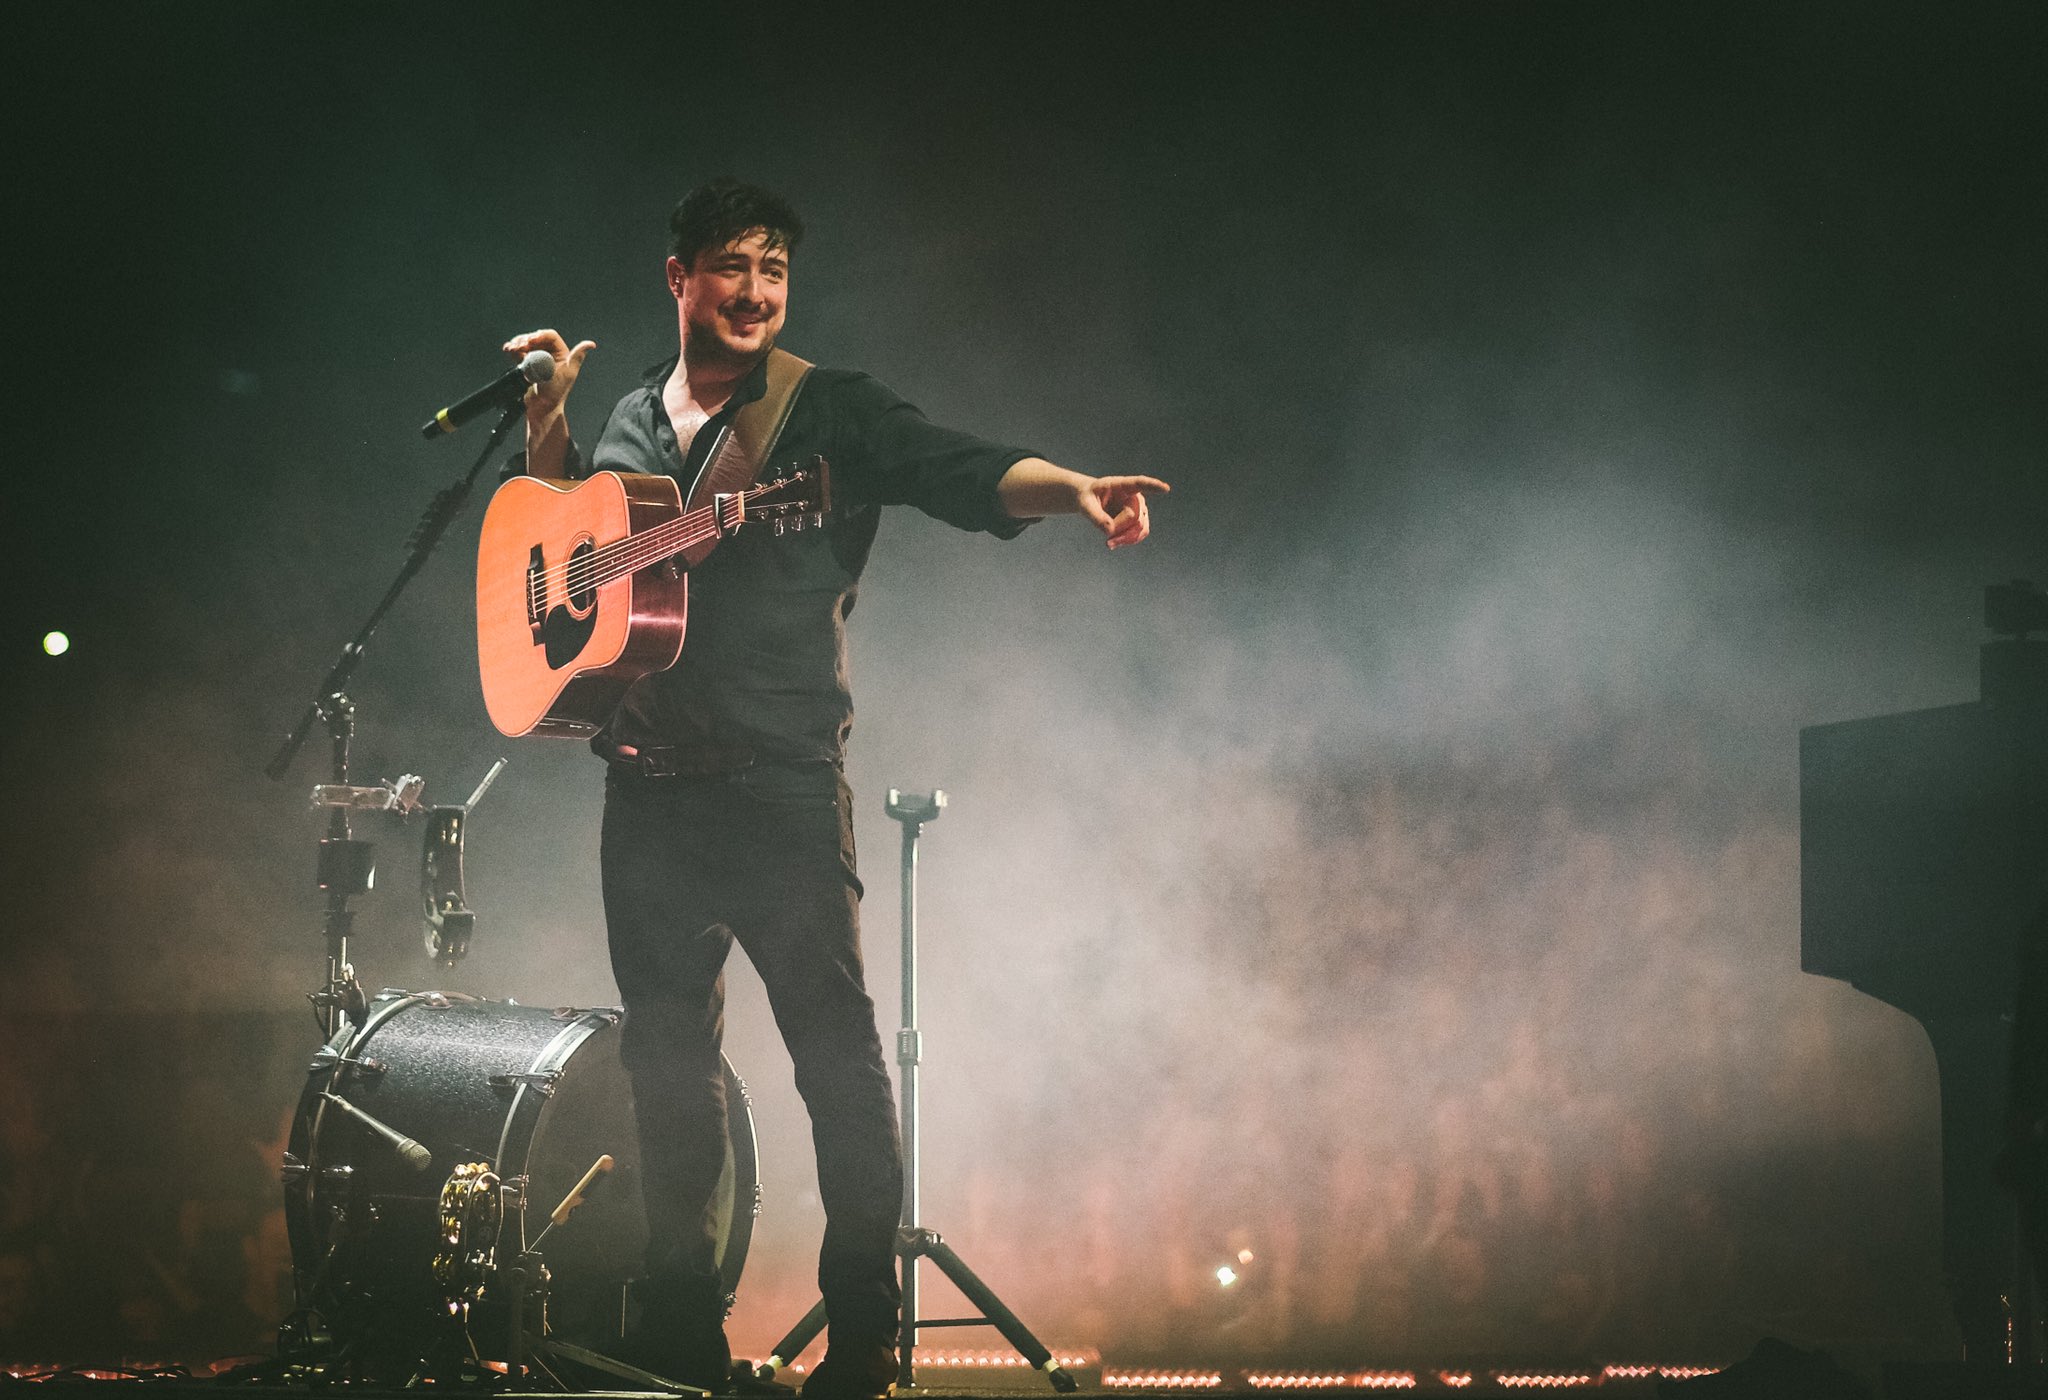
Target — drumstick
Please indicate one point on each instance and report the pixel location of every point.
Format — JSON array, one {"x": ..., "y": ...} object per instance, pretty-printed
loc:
[{"x": 575, "y": 1197}]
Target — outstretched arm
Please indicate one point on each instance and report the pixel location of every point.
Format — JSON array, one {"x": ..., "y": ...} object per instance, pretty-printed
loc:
[
  {"x": 547, "y": 419},
  {"x": 1116, "y": 504}
]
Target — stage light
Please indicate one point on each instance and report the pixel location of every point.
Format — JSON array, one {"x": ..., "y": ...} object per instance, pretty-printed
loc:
[
  {"x": 1327, "y": 1380},
  {"x": 55, "y": 644},
  {"x": 1244, "y": 1256},
  {"x": 1226, "y": 1275},
  {"x": 1509, "y": 1380}
]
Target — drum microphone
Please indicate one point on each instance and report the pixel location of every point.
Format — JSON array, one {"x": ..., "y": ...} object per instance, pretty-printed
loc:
[
  {"x": 508, "y": 388},
  {"x": 416, "y": 1157}
]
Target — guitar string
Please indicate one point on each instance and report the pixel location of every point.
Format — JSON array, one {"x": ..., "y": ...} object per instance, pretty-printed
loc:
[
  {"x": 593, "y": 577},
  {"x": 629, "y": 554},
  {"x": 669, "y": 540},
  {"x": 600, "y": 567},
  {"x": 663, "y": 536},
  {"x": 611, "y": 563}
]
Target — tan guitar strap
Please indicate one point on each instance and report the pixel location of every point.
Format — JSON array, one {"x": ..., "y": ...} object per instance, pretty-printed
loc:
[{"x": 755, "y": 430}]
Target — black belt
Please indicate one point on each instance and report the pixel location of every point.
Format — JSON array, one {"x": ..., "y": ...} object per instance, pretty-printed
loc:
[{"x": 671, "y": 761}]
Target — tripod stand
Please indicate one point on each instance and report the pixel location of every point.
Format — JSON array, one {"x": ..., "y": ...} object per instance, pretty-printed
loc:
[{"x": 914, "y": 1242}]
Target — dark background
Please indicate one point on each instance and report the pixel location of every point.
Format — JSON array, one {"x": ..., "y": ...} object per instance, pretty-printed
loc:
[{"x": 1390, "y": 869}]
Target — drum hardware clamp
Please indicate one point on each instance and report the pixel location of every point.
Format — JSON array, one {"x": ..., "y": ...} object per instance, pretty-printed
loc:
[
  {"x": 295, "y": 1170},
  {"x": 328, "y": 1058},
  {"x": 434, "y": 1001},
  {"x": 541, "y": 1081}
]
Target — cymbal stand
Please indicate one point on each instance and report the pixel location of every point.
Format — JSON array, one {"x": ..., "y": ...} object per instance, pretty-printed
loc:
[{"x": 914, "y": 1241}]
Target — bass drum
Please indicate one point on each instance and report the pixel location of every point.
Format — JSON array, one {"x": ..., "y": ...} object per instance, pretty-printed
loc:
[{"x": 484, "y": 1086}]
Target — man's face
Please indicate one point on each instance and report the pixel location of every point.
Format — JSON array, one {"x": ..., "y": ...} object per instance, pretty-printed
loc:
[{"x": 733, "y": 299}]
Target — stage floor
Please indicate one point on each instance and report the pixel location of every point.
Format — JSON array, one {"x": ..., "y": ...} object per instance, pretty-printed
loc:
[{"x": 1749, "y": 1380}]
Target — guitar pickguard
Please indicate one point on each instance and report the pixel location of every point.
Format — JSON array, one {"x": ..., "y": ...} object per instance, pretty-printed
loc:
[{"x": 563, "y": 630}]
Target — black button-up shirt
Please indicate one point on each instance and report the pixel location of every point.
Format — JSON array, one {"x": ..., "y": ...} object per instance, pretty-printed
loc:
[{"x": 763, "y": 672}]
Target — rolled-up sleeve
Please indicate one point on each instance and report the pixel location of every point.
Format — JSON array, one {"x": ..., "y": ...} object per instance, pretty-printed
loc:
[{"x": 894, "y": 455}]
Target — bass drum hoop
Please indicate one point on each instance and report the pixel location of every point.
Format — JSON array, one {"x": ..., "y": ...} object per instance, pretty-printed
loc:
[{"x": 344, "y": 1060}]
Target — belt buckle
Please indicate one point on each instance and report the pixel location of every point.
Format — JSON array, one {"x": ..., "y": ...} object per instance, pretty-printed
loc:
[{"x": 657, "y": 763}]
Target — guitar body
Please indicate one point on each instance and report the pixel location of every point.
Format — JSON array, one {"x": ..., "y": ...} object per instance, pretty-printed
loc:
[{"x": 556, "y": 643}]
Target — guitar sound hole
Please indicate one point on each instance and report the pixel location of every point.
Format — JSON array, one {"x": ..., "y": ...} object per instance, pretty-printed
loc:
[
  {"x": 581, "y": 600},
  {"x": 566, "y": 628}
]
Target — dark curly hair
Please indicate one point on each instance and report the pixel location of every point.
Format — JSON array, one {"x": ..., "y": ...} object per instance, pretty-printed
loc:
[{"x": 718, "y": 214}]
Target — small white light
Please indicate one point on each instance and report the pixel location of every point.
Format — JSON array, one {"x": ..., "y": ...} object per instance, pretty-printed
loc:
[
  {"x": 1244, "y": 1256},
  {"x": 55, "y": 643},
  {"x": 1226, "y": 1275}
]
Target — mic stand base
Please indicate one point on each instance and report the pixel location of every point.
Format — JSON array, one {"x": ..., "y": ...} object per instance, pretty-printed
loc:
[{"x": 912, "y": 1245}]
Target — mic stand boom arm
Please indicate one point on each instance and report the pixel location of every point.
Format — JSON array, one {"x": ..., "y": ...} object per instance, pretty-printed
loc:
[
  {"x": 440, "y": 513},
  {"x": 346, "y": 866}
]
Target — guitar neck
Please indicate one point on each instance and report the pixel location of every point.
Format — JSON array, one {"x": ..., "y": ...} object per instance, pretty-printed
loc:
[
  {"x": 790, "y": 496},
  {"x": 664, "y": 541},
  {"x": 645, "y": 548}
]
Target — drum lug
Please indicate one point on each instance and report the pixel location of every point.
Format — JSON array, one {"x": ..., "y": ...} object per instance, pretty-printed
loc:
[
  {"x": 293, "y": 1169},
  {"x": 439, "y": 1001},
  {"x": 327, "y": 1057},
  {"x": 542, "y": 1083}
]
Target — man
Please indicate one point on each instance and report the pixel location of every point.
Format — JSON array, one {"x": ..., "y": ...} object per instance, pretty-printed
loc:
[{"x": 726, "y": 813}]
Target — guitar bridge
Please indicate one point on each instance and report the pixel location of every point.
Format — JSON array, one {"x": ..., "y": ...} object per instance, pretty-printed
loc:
[{"x": 536, "y": 591}]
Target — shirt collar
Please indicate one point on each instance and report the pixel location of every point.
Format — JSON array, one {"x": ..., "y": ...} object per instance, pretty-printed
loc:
[{"x": 745, "y": 392}]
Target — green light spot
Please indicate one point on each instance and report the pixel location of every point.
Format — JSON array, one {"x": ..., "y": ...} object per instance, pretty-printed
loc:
[{"x": 55, "y": 643}]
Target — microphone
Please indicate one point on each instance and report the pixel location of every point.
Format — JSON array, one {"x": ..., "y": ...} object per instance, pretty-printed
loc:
[
  {"x": 508, "y": 388},
  {"x": 414, "y": 1156}
]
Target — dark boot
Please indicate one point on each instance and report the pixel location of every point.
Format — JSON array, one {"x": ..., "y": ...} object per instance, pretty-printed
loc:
[
  {"x": 676, "y": 1329},
  {"x": 855, "y": 1368},
  {"x": 863, "y": 1306}
]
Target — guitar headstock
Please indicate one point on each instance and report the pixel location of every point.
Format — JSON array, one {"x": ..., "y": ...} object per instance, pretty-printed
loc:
[{"x": 790, "y": 501}]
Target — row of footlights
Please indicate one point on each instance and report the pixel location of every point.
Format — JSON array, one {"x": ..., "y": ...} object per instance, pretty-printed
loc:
[
  {"x": 1164, "y": 1379},
  {"x": 1453, "y": 1380}
]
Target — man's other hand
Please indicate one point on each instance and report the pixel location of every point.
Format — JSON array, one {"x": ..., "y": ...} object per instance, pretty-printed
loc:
[
  {"x": 1035, "y": 487},
  {"x": 1117, "y": 506}
]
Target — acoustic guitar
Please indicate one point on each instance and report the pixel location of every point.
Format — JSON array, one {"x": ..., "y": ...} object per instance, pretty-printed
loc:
[{"x": 582, "y": 587}]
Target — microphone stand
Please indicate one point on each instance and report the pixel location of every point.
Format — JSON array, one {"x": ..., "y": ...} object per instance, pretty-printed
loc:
[
  {"x": 914, "y": 1240},
  {"x": 348, "y": 867}
]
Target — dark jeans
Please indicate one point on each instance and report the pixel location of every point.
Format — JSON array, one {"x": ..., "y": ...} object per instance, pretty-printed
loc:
[{"x": 765, "y": 856}]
